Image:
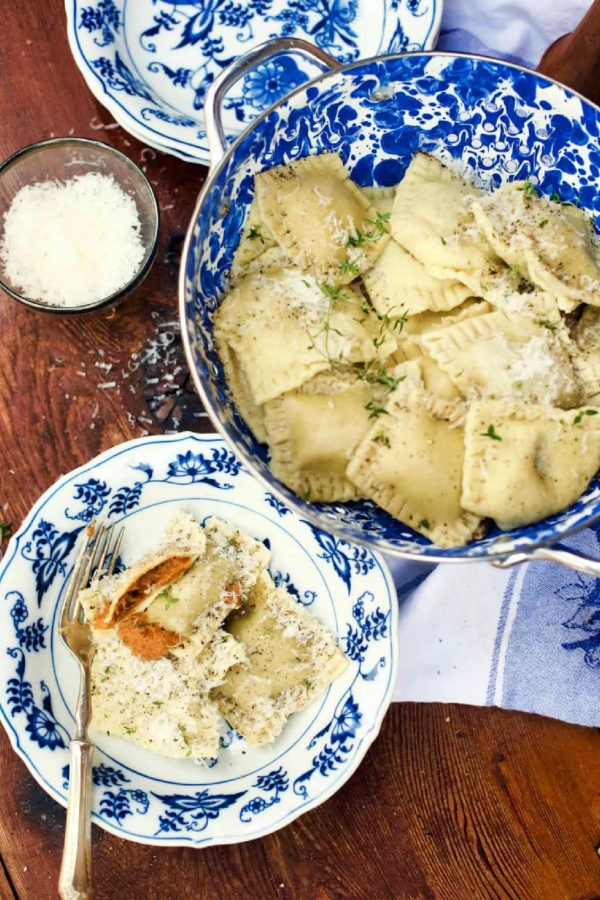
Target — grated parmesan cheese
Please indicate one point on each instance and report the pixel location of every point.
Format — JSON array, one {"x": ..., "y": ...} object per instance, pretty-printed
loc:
[{"x": 71, "y": 243}]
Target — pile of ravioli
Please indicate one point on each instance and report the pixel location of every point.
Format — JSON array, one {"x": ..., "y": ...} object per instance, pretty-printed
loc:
[
  {"x": 197, "y": 630},
  {"x": 431, "y": 347}
]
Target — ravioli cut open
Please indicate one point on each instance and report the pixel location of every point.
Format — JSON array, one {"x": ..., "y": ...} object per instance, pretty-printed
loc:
[
  {"x": 133, "y": 590},
  {"x": 291, "y": 660},
  {"x": 217, "y": 583},
  {"x": 320, "y": 217},
  {"x": 410, "y": 463},
  {"x": 526, "y": 462}
]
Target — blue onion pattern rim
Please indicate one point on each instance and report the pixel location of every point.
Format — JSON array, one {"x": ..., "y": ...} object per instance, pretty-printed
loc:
[
  {"x": 489, "y": 120},
  {"x": 245, "y": 793},
  {"x": 151, "y": 62}
]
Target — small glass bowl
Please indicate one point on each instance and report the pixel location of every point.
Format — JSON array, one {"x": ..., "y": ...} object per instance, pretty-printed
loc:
[{"x": 59, "y": 159}]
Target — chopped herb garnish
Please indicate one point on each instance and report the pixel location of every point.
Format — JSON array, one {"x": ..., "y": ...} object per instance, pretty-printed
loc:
[
  {"x": 491, "y": 433},
  {"x": 554, "y": 197},
  {"x": 528, "y": 188},
  {"x": 543, "y": 223},
  {"x": 307, "y": 494},
  {"x": 374, "y": 410},
  {"x": 443, "y": 240},
  {"x": 518, "y": 385},
  {"x": 547, "y": 324},
  {"x": 306, "y": 283},
  {"x": 253, "y": 234},
  {"x": 128, "y": 730},
  {"x": 157, "y": 702},
  {"x": 424, "y": 523},
  {"x": 348, "y": 268},
  {"x": 382, "y": 439},
  {"x": 514, "y": 272},
  {"x": 168, "y": 598},
  {"x": 5, "y": 530},
  {"x": 584, "y": 412}
]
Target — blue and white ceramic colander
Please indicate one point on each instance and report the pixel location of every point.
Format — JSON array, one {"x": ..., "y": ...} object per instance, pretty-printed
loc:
[{"x": 501, "y": 121}]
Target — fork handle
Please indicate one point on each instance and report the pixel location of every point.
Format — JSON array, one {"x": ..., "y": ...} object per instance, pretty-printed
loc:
[{"x": 75, "y": 879}]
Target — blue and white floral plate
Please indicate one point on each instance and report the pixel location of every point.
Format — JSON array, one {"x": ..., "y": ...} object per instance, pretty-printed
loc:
[
  {"x": 246, "y": 792},
  {"x": 150, "y": 61}
]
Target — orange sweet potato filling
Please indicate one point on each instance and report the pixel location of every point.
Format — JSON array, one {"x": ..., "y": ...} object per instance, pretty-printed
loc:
[
  {"x": 146, "y": 639},
  {"x": 163, "y": 574}
]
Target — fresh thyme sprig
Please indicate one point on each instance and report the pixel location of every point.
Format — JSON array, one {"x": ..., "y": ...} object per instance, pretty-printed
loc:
[{"x": 370, "y": 235}]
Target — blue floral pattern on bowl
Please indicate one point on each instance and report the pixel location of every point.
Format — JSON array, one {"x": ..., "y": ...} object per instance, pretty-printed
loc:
[
  {"x": 151, "y": 62},
  {"x": 491, "y": 121},
  {"x": 244, "y": 792}
]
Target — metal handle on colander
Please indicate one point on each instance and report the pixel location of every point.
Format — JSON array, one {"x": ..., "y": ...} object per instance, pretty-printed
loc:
[
  {"x": 247, "y": 62},
  {"x": 563, "y": 557}
]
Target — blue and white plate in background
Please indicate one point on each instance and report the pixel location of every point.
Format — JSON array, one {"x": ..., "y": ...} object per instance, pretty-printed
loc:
[
  {"x": 246, "y": 792},
  {"x": 149, "y": 62}
]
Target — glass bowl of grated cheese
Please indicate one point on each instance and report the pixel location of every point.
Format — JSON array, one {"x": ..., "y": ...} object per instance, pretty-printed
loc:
[{"x": 78, "y": 225}]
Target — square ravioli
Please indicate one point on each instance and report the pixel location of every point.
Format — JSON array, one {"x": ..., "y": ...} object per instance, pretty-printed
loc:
[
  {"x": 398, "y": 284},
  {"x": 431, "y": 218},
  {"x": 291, "y": 660},
  {"x": 410, "y": 463},
  {"x": 549, "y": 242},
  {"x": 255, "y": 240},
  {"x": 163, "y": 704},
  {"x": 284, "y": 328},
  {"x": 321, "y": 218},
  {"x": 313, "y": 431},
  {"x": 526, "y": 462},
  {"x": 507, "y": 355},
  {"x": 585, "y": 353}
]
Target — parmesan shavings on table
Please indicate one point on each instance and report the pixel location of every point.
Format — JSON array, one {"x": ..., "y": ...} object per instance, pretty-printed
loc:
[{"x": 71, "y": 243}]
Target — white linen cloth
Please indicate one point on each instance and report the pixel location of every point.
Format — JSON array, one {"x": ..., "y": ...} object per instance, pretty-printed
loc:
[
  {"x": 526, "y": 638},
  {"x": 516, "y": 30}
]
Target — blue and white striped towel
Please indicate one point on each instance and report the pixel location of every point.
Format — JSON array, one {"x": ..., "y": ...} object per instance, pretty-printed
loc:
[{"x": 526, "y": 638}]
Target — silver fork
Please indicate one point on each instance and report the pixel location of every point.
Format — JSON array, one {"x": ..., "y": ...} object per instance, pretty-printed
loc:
[{"x": 75, "y": 879}]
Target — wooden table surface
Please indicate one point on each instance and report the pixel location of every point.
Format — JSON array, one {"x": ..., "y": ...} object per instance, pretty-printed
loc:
[{"x": 451, "y": 802}]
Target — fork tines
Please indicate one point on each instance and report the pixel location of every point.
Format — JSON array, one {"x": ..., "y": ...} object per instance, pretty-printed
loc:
[{"x": 95, "y": 559}]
